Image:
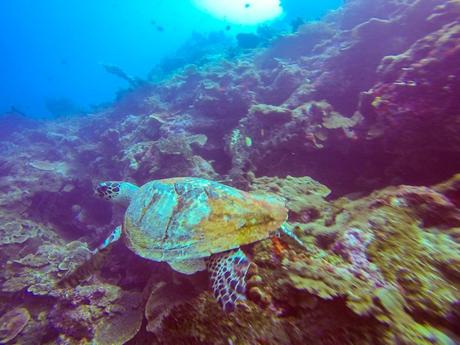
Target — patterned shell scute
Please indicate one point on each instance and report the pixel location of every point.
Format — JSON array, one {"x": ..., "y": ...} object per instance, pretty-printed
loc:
[{"x": 188, "y": 218}]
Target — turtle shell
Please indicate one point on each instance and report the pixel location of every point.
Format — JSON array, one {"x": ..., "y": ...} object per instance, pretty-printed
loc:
[{"x": 188, "y": 218}]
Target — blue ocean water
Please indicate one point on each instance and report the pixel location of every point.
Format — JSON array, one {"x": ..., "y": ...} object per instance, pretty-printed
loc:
[
  {"x": 53, "y": 51},
  {"x": 230, "y": 172}
]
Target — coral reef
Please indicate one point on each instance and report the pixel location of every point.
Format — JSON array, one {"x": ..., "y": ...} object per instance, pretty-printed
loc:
[
  {"x": 364, "y": 102},
  {"x": 413, "y": 102},
  {"x": 101, "y": 313},
  {"x": 371, "y": 259},
  {"x": 12, "y": 323}
]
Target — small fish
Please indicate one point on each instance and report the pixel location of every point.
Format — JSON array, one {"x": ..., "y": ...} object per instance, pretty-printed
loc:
[
  {"x": 15, "y": 110},
  {"x": 279, "y": 247},
  {"x": 157, "y": 26},
  {"x": 247, "y": 5}
]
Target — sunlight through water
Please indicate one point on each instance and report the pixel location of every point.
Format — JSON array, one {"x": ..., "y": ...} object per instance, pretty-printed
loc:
[{"x": 249, "y": 12}]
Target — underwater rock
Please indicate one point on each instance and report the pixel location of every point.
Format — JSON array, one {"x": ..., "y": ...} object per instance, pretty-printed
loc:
[
  {"x": 427, "y": 70},
  {"x": 164, "y": 297},
  {"x": 14, "y": 121},
  {"x": 382, "y": 262},
  {"x": 14, "y": 232},
  {"x": 180, "y": 145},
  {"x": 39, "y": 272},
  {"x": 305, "y": 197},
  {"x": 171, "y": 153},
  {"x": 299, "y": 44},
  {"x": 286, "y": 79},
  {"x": 56, "y": 167},
  {"x": 379, "y": 37},
  {"x": 216, "y": 102},
  {"x": 123, "y": 324},
  {"x": 102, "y": 313},
  {"x": 261, "y": 143},
  {"x": 270, "y": 114},
  {"x": 12, "y": 323}
]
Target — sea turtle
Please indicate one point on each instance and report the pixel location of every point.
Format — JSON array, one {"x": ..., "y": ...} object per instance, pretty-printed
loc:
[{"x": 195, "y": 224}]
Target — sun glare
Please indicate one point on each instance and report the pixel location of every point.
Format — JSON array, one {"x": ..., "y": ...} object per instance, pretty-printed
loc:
[{"x": 249, "y": 12}]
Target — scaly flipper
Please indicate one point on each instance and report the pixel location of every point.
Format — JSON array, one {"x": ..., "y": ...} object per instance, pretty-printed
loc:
[
  {"x": 228, "y": 277},
  {"x": 115, "y": 235}
]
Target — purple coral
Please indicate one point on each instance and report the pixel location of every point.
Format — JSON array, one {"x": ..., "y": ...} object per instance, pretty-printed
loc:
[{"x": 352, "y": 246}]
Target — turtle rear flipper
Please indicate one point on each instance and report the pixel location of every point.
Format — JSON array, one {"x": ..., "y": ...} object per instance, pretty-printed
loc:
[{"x": 228, "y": 277}]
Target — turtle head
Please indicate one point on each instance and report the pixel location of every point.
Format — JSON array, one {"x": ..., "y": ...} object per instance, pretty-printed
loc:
[{"x": 116, "y": 191}]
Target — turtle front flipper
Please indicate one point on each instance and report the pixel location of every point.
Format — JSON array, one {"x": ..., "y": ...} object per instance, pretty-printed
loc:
[
  {"x": 114, "y": 236},
  {"x": 97, "y": 260},
  {"x": 228, "y": 274}
]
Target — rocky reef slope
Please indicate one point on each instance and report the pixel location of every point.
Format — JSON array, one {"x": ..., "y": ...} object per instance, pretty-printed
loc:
[{"x": 365, "y": 102}]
